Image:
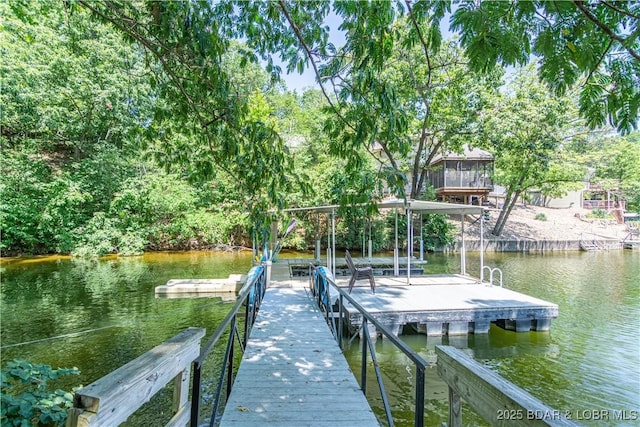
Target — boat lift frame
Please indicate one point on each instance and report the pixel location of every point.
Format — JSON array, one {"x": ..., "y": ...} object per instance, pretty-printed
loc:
[{"x": 409, "y": 207}]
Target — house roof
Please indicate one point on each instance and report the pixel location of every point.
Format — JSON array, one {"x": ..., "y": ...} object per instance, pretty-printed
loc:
[{"x": 467, "y": 154}]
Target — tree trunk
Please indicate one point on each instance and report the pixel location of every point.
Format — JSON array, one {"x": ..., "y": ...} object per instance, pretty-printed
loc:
[{"x": 509, "y": 203}]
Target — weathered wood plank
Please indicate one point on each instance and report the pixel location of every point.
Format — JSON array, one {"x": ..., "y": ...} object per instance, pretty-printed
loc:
[
  {"x": 293, "y": 372},
  {"x": 114, "y": 397},
  {"x": 494, "y": 398}
]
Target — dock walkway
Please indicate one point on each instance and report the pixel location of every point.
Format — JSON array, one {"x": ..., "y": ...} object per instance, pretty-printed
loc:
[{"x": 293, "y": 372}]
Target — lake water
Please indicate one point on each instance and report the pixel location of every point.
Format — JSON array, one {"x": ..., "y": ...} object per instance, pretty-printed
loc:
[{"x": 98, "y": 315}]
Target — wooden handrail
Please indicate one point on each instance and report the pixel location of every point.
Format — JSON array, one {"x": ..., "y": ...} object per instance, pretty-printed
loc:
[
  {"x": 497, "y": 400},
  {"x": 110, "y": 400}
]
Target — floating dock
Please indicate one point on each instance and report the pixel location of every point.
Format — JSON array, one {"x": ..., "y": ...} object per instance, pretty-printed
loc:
[
  {"x": 448, "y": 305},
  {"x": 293, "y": 372},
  {"x": 184, "y": 288},
  {"x": 437, "y": 304}
]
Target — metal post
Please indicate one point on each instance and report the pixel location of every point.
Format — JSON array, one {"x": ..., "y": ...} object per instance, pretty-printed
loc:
[
  {"x": 419, "y": 420},
  {"x": 396, "y": 260},
  {"x": 370, "y": 243},
  {"x": 254, "y": 249},
  {"x": 421, "y": 239},
  {"x": 409, "y": 245},
  {"x": 267, "y": 269},
  {"x": 340, "y": 305},
  {"x": 248, "y": 315},
  {"x": 195, "y": 394},
  {"x": 333, "y": 241},
  {"x": 329, "y": 243},
  {"x": 481, "y": 246},
  {"x": 232, "y": 333},
  {"x": 363, "y": 370},
  {"x": 318, "y": 250},
  {"x": 463, "y": 256}
]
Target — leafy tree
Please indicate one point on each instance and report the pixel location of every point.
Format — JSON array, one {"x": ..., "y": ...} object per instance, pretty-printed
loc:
[
  {"x": 525, "y": 129},
  {"x": 24, "y": 189},
  {"x": 592, "y": 44},
  {"x": 616, "y": 161},
  {"x": 69, "y": 84},
  {"x": 189, "y": 39},
  {"x": 209, "y": 110}
]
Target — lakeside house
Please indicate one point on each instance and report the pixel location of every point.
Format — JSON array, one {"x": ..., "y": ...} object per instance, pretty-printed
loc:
[{"x": 462, "y": 177}]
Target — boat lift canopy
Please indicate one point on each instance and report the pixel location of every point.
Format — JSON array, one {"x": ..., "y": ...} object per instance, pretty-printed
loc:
[{"x": 409, "y": 206}]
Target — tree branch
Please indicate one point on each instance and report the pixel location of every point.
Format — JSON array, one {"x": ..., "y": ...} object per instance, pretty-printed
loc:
[
  {"x": 622, "y": 11},
  {"x": 425, "y": 47},
  {"x": 309, "y": 53},
  {"x": 147, "y": 44},
  {"x": 608, "y": 31}
]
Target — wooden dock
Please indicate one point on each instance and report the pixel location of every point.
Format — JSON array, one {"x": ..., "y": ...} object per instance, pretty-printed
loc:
[
  {"x": 449, "y": 305},
  {"x": 293, "y": 372}
]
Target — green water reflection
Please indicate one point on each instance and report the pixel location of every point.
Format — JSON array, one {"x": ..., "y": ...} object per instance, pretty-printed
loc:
[{"x": 589, "y": 361}]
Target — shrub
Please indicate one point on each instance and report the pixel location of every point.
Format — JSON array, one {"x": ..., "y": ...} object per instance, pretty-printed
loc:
[
  {"x": 599, "y": 214},
  {"x": 540, "y": 217},
  {"x": 35, "y": 405}
]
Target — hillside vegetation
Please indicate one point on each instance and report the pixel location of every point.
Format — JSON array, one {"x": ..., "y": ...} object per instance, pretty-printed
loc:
[{"x": 168, "y": 135}]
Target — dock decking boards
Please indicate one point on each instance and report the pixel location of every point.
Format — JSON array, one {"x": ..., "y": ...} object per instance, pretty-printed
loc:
[
  {"x": 450, "y": 304},
  {"x": 293, "y": 372}
]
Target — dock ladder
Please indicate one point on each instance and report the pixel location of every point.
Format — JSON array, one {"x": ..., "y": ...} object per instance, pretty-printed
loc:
[{"x": 491, "y": 272}]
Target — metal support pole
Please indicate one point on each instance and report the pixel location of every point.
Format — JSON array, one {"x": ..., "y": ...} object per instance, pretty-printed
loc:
[
  {"x": 340, "y": 321},
  {"x": 267, "y": 269},
  {"x": 420, "y": 382},
  {"x": 481, "y": 247},
  {"x": 329, "y": 244},
  {"x": 254, "y": 251},
  {"x": 333, "y": 241},
  {"x": 363, "y": 369},
  {"x": 370, "y": 243},
  {"x": 421, "y": 239},
  {"x": 409, "y": 245},
  {"x": 463, "y": 255},
  {"x": 396, "y": 260},
  {"x": 195, "y": 394}
]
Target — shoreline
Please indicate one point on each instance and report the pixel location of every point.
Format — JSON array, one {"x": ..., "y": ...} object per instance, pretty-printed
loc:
[{"x": 533, "y": 245}]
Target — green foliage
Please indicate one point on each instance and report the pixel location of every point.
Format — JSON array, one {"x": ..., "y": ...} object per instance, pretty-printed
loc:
[
  {"x": 69, "y": 83},
  {"x": 24, "y": 189},
  {"x": 540, "y": 217},
  {"x": 594, "y": 45},
  {"x": 437, "y": 232},
  {"x": 525, "y": 129},
  {"x": 26, "y": 398},
  {"x": 93, "y": 108},
  {"x": 599, "y": 214}
]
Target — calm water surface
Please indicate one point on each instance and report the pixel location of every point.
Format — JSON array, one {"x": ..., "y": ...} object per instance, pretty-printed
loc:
[{"x": 105, "y": 314}]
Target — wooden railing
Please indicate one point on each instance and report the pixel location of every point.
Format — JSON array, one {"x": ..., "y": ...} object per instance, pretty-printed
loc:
[
  {"x": 113, "y": 398},
  {"x": 497, "y": 400}
]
